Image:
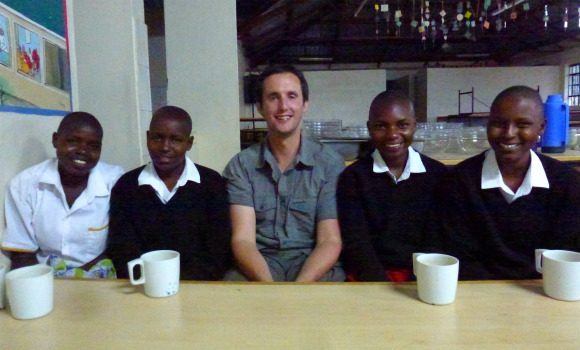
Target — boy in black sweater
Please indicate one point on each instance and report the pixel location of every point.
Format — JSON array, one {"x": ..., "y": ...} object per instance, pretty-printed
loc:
[
  {"x": 385, "y": 199},
  {"x": 171, "y": 203},
  {"x": 508, "y": 201}
]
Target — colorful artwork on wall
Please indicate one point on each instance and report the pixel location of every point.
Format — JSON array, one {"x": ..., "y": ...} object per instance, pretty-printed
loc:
[
  {"x": 28, "y": 52},
  {"x": 4, "y": 41}
]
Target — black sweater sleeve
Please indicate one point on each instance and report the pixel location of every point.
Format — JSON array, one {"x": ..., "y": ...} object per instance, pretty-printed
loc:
[
  {"x": 212, "y": 262},
  {"x": 458, "y": 219},
  {"x": 123, "y": 243},
  {"x": 359, "y": 255}
]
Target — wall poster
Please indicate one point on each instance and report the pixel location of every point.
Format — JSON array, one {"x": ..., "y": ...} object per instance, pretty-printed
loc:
[
  {"x": 55, "y": 66},
  {"x": 28, "y": 52},
  {"x": 4, "y": 41}
]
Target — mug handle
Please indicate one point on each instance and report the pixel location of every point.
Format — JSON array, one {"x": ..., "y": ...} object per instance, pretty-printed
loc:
[
  {"x": 415, "y": 256},
  {"x": 539, "y": 256},
  {"x": 130, "y": 265}
]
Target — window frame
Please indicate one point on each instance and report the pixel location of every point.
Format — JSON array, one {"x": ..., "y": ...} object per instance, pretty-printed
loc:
[{"x": 573, "y": 86}]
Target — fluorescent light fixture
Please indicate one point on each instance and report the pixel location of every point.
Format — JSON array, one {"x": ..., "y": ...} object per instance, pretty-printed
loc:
[
  {"x": 315, "y": 59},
  {"x": 472, "y": 55},
  {"x": 507, "y": 7}
]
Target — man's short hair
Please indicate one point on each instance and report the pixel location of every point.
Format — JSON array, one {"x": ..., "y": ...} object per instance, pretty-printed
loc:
[
  {"x": 271, "y": 70},
  {"x": 76, "y": 120},
  {"x": 387, "y": 98},
  {"x": 520, "y": 91},
  {"x": 175, "y": 113}
]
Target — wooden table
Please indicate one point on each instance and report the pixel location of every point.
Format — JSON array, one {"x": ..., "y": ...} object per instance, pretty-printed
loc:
[{"x": 112, "y": 315}]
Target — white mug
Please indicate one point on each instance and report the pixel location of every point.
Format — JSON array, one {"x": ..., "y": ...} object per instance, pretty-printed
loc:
[
  {"x": 560, "y": 271},
  {"x": 3, "y": 270},
  {"x": 159, "y": 272},
  {"x": 30, "y": 291},
  {"x": 436, "y": 277}
]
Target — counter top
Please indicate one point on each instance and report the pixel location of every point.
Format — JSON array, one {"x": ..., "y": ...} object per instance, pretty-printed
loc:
[
  {"x": 452, "y": 159},
  {"x": 114, "y": 315}
]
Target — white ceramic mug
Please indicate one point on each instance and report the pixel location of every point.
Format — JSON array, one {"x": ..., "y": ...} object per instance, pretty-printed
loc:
[
  {"x": 159, "y": 272},
  {"x": 560, "y": 271},
  {"x": 30, "y": 291},
  {"x": 436, "y": 277},
  {"x": 3, "y": 270}
]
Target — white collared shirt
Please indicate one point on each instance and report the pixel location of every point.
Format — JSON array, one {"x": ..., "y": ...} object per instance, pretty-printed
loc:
[
  {"x": 149, "y": 177},
  {"x": 491, "y": 177},
  {"x": 38, "y": 218},
  {"x": 414, "y": 165}
]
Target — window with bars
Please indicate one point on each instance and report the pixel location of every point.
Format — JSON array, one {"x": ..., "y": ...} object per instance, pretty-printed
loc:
[{"x": 574, "y": 85}]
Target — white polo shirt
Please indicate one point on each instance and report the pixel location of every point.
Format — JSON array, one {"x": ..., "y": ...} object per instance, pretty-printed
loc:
[
  {"x": 414, "y": 165},
  {"x": 149, "y": 177},
  {"x": 38, "y": 218},
  {"x": 491, "y": 177}
]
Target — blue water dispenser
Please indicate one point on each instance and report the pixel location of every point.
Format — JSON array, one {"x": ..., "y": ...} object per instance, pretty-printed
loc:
[{"x": 557, "y": 114}]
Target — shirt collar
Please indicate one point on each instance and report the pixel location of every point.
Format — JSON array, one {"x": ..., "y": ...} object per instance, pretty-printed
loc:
[
  {"x": 491, "y": 176},
  {"x": 96, "y": 185},
  {"x": 305, "y": 153},
  {"x": 414, "y": 164},
  {"x": 149, "y": 176}
]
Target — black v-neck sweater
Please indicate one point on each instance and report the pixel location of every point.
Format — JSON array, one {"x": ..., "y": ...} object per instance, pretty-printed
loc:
[
  {"x": 195, "y": 222},
  {"x": 383, "y": 223},
  {"x": 496, "y": 240}
]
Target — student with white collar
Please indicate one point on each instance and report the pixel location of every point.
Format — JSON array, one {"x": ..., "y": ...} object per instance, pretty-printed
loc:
[
  {"x": 384, "y": 199},
  {"x": 57, "y": 212},
  {"x": 171, "y": 203},
  {"x": 508, "y": 201}
]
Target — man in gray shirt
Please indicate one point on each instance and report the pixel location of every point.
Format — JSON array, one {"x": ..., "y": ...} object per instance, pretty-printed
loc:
[{"x": 282, "y": 193}]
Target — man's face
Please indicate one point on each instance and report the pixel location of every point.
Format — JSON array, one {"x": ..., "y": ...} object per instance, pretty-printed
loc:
[
  {"x": 283, "y": 104},
  {"x": 391, "y": 128},
  {"x": 514, "y": 126},
  {"x": 78, "y": 150},
  {"x": 168, "y": 140}
]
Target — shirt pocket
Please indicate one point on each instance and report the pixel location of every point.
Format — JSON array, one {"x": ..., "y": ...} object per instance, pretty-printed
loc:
[
  {"x": 265, "y": 208},
  {"x": 302, "y": 215},
  {"x": 96, "y": 238}
]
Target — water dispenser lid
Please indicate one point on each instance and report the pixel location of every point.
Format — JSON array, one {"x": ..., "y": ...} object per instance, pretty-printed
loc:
[{"x": 555, "y": 99}]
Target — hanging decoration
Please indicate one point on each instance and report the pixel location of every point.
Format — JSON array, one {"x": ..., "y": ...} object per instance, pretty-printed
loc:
[
  {"x": 387, "y": 17},
  {"x": 546, "y": 17},
  {"x": 499, "y": 22},
  {"x": 565, "y": 19},
  {"x": 468, "y": 21},
  {"x": 377, "y": 19},
  {"x": 434, "y": 20},
  {"x": 444, "y": 27},
  {"x": 398, "y": 19},
  {"x": 526, "y": 8},
  {"x": 414, "y": 22},
  {"x": 422, "y": 28},
  {"x": 485, "y": 22}
]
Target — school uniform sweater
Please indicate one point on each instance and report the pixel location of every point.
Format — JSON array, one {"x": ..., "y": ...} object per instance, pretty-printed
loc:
[
  {"x": 383, "y": 223},
  {"x": 496, "y": 240},
  {"x": 195, "y": 222}
]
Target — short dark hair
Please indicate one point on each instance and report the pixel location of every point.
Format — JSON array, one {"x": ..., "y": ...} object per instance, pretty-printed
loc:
[
  {"x": 271, "y": 70},
  {"x": 175, "y": 113},
  {"x": 387, "y": 98},
  {"x": 76, "y": 120},
  {"x": 520, "y": 91}
]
